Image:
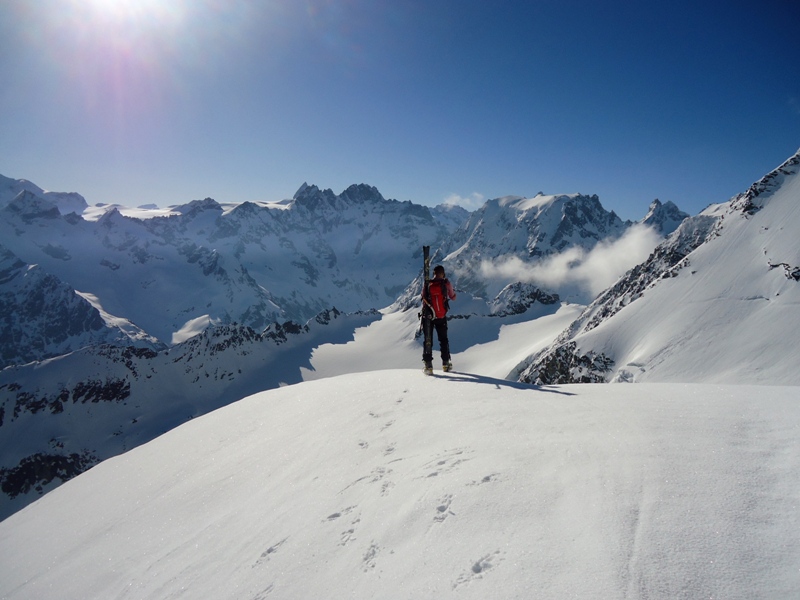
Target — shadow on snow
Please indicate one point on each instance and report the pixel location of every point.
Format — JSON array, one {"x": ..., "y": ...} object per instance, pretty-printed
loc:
[{"x": 499, "y": 383}]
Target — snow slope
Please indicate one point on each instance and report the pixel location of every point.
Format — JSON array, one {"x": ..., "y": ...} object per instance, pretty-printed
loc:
[
  {"x": 717, "y": 302},
  {"x": 492, "y": 346},
  {"x": 392, "y": 485},
  {"x": 61, "y": 416}
]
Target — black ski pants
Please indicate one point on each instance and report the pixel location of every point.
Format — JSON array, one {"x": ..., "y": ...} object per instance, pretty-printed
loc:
[{"x": 440, "y": 325}]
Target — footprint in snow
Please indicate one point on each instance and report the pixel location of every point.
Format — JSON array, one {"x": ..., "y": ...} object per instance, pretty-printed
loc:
[
  {"x": 491, "y": 478},
  {"x": 347, "y": 537},
  {"x": 479, "y": 568},
  {"x": 446, "y": 462},
  {"x": 267, "y": 554},
  {"x": 336, "y": 515},
  {"x": 369, "y": 557},
  {"x": 443, "y": 509}
]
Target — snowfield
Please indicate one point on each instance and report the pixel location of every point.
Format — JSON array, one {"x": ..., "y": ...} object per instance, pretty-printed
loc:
[{"x": 389, "y": 484}]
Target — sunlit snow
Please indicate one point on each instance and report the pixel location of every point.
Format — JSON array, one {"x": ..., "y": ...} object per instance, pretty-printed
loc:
[{"x": 394, "y": 485}]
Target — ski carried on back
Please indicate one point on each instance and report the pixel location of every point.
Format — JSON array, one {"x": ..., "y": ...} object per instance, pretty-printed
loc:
[{"x": 427, "y": 315}]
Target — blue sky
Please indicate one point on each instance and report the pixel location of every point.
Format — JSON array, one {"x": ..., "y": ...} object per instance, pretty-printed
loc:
[{"x": 151, "y": 101}]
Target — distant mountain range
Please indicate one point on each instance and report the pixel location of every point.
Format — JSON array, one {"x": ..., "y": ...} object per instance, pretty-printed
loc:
[
  {"x": 118, "y": 324},
  {"x": 155, "y": 279}
]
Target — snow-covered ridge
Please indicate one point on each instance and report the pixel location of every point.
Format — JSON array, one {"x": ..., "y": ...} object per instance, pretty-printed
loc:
[
  {"x": 392, "y": 485},
  {"x": 758, "y": 194},
  {"x": 712, "y": 303}
]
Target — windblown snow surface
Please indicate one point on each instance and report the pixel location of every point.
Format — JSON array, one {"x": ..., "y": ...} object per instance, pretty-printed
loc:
[{"x": 389, "y": 484}]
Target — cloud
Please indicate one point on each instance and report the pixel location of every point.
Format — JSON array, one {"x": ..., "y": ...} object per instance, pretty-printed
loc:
[
  {"x": 577, "y": 271},
  {"x": 472, "y": 202}
]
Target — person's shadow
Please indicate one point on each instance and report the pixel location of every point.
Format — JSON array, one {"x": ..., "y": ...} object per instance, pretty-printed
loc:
[{"x": 499, "y": 383}]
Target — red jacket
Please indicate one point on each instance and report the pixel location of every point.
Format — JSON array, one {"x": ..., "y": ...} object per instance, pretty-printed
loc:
[{"x": 438, "y": 293}]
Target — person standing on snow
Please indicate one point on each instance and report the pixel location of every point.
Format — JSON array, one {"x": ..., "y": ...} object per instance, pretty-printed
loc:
[{"x": 436, "y": 296}]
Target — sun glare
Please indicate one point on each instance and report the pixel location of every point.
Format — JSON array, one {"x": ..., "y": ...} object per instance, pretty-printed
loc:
[
  {"x": 126, "y": 60},
  {"x": 155, "y": 13}
]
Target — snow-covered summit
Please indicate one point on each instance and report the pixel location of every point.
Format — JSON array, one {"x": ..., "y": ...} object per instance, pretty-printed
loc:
[
  {"x": 66, "y": 202},
  {"x": 664, "y": 217},
  {"x": 308, "y": 195},
  {"x": 197, "y": 206}
]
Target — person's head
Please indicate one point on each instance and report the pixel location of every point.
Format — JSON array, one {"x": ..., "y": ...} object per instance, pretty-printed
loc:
[{"x": 438, "y": 271}]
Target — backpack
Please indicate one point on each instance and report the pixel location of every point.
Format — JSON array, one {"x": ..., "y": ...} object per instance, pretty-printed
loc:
[{"x": 437, "y": 297}]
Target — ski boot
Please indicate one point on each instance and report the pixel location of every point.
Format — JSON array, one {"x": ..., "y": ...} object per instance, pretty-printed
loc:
[
  {"x": 447, "y": 367},
  {"x": 428, "y": 370}
]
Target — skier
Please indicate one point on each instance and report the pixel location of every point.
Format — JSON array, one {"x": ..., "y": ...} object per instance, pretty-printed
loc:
[{"x": 436, "y": 295}]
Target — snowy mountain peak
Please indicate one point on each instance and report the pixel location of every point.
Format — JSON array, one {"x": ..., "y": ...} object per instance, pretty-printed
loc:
[
  {"x": 450, "y": 216},
  {"x": 665, "y": 217},
  {"x": 362, "y": 193},
  {"x": 516, "y": 298},
  {"x": 196, "y": 206},
  {"x": 29, "y": 206},
  {"x": 300, "y": 190},
  {"x": 43, "y": 317},
  {"x": 310, "y": 196},
  {"x": 11, "y": 188},
  {"x": 67, "y": 202}
]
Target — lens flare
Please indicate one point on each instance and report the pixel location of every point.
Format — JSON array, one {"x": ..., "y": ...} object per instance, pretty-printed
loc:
[{"x": 126, "y": 64}]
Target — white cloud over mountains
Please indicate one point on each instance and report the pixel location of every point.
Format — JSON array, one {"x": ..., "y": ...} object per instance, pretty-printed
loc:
[
  {"x": 472, "y": 202},
  {"x": 576, "y": 270}
]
